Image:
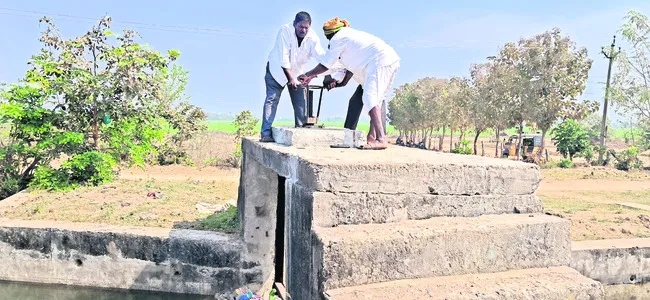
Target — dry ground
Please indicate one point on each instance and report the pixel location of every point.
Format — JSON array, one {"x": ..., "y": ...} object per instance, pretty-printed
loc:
[{"x": 589, "y": 197}]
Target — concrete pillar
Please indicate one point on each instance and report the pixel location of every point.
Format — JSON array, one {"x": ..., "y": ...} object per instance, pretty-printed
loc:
[
  {"x": 257, "y": 204},
  {"x": 300, "y": 277}
]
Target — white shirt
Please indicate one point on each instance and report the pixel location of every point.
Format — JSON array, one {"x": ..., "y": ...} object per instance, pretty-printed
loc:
[
  {"x": 355, "y": 49},
  {"x": 287, "y": 54}
]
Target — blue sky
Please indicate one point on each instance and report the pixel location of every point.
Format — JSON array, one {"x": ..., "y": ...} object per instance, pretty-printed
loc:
[{"x": 226, "y": 62}]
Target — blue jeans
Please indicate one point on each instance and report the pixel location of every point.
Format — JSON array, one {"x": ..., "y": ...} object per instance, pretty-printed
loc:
[{"x": 273, "y": 93}]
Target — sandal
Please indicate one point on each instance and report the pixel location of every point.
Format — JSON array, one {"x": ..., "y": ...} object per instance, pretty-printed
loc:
[{"x": 373, "y": 146}]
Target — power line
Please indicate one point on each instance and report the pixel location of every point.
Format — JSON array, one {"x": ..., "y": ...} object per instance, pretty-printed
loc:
[
  {"x": 142, "y": 25},
  {"x": 418, "y": 44}
]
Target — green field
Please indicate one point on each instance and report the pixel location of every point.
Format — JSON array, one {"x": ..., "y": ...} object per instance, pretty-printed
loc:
[{"x": 227, "y": 126}]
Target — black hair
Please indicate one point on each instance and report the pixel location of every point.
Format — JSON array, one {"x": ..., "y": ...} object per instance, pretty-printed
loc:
[{"x": 302, "y": 16}]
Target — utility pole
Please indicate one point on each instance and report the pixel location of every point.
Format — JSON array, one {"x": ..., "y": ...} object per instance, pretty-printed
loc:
[{"x": 603, "y": 128}]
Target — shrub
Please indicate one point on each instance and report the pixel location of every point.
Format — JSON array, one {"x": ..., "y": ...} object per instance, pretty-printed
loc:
[
  {"x": 92, "y": 168},
  {"x": 89, "y": 168},
  {"x": 9, "y": 185},
  {"x": 628, "y": 159},
  {"x": 245, "y": 125},
  {"x": 565, "y": 163},
  {"x": 463, "y": 148},
  {"x": 570, "y": 138}
]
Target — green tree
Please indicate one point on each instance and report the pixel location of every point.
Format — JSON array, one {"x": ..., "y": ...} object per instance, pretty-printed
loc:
[
  {"x": 556, "y": 71},
  {"x": 95, "y": 95},
  {"x": 185, "y": 120},
  {"x": 630, "y": 89},
  {"x": 570, "y": 138},
  {"x": 32, "y": 138}
]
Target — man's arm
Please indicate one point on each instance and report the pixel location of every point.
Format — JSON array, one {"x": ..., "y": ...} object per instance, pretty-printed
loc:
[
  {"x": 293, "y": 83},
  {"x": 326, "y": 61},
  {"x": 346, "y": 79},
  {"x": 317, "y": 71},
  {"x": 284, "y": 42}
]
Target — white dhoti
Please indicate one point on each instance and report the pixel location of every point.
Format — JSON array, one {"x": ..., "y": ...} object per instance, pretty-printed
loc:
[{"x": 377, "y": 83}]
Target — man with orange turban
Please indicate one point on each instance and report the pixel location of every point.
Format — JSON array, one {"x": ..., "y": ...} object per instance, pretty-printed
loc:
[{"x": 373, "y": 63}]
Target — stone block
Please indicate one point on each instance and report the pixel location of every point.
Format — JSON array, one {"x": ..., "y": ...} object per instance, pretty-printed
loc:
[
  {"x": 332, "y": 209},
  {"x": 559, "y": 283},
  {"x": 314, "y": 137},
  {"x": 353, "y": 255},
  {"x": 618, "y": 261},
  {"x": 396, "y": 170},
  {"x": 180, "y": 261}
]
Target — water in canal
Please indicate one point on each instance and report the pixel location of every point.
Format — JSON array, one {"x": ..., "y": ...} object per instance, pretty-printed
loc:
[{"x": 25, "y": 291}]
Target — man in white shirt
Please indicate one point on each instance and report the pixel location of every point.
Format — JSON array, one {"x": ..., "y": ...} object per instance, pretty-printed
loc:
[
  {"x": 294, "y": 46},
  {"x": 374, "y": 65},
  {"x": 355, "y": 104}
]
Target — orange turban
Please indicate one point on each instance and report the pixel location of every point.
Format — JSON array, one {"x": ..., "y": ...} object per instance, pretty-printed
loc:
[{"x": 334, "y": 25}]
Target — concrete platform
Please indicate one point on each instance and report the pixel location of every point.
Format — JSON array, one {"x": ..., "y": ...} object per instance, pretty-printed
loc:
[
  {"x": 480, "y": 207},
  {"x": 559, "y": 283},
  {"x": 617, "y": 261},
  {"x": 314, "y": 137},
  {"x": 396, "y": 170},
  {"x": 361, "y": 208},
  {"x": 362, "y": 254}
]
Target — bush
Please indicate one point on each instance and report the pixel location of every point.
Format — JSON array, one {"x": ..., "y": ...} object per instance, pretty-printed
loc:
[
  {"x": 92, "y": 168},
  {"x": 89, "y": 168},
  {"x": 628, "y": 159},
  {"x": 246, "y": 125},
  {"x": 9, "y": 185},
  {"x": 570, "y": 138},
  {"x": 548, "y": 165},
  {"x": 463, "y": 148},
  {"x": 47, "y": 178},
  {"x": 565, "y": 163}
]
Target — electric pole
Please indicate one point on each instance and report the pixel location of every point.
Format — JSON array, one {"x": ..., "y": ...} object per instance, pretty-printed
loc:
[{"x": 603, "y": 128}]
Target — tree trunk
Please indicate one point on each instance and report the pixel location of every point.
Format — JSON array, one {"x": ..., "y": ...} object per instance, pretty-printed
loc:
[
  {"x": 95, "y": 124},
  {"x": 521, "y": 132},
  {"x": 95, "y": 127},
  {"x": 478, "y": 132},
  {"x": 442, "y": 139},
  {"x": 451, "y": 140},
  {"x": 482, "y": 149},
  {"x": 543, "y": 145},
  {"x": 496, "y": 150}
]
